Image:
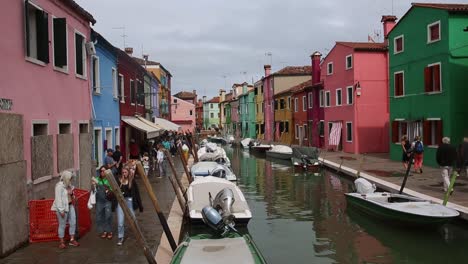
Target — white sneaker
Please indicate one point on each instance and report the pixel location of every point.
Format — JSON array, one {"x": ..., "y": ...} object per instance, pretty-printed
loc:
[{"x": 121, "y": 240}]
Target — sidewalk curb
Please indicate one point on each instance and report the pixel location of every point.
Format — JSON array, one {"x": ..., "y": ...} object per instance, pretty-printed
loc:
[{"x": 390, "y": 187}]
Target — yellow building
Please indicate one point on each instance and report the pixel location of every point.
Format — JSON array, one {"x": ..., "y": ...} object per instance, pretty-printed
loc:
[
  {"x": 259, "y": 108},
  {"x": 164, "y": 93},
  {"x": 283, "y": 118}
]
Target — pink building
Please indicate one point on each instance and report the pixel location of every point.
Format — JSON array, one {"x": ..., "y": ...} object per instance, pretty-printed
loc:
[
  {"x": 355, "y": 96},
  {"x": 183, "y": 114}
]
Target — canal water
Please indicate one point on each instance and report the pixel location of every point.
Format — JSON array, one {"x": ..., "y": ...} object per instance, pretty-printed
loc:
[{"x": 303, "y": 218}]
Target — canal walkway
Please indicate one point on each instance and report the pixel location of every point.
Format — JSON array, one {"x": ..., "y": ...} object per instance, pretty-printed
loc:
[{"x": 389, "y": 175}]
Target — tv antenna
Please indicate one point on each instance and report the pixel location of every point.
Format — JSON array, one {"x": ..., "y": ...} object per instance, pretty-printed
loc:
[{"x": 123, "y": 35}]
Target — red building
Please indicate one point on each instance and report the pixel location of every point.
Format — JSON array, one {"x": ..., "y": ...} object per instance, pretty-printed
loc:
[
  {"x": 301, "y": 103},
  {"x": 316, "y": 114},
  {"x": 199, "y": 115}
]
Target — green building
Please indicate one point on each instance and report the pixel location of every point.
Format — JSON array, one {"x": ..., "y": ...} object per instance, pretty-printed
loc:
[
  {"x": 247, "y": 115},
  {"x": 211, "y": 113},
  {"x": 428, "y": 73}
]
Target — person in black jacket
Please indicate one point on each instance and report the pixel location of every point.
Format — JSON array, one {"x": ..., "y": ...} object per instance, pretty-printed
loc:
[
  {"x": 463, "y": 156},
  {"x": 446, "y": 157},
  {"x": 131, "y": 194}
]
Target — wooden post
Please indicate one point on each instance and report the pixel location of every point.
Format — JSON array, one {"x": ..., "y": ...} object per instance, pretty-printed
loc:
[
  {"x": 155, "y": 202},
  {"x": 408, "y": 169},
  {"x": 174, "y": 172},
  {"x": 195, "y": 149},
  {"x": 185, "y": 163},
  {"x": 130, "y": 218},
  {"x": 450, "y": 188},
  {"x": 361, "y": 162}
]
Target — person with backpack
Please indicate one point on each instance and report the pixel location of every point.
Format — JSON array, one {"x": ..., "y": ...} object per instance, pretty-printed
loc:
[{"x": 418, "y": 149}]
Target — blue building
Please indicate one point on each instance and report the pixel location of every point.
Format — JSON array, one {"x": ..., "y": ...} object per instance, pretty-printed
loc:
[{"x": 106, "y": 89}]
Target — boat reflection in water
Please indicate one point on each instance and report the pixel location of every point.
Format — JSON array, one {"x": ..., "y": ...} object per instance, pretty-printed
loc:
[{"x": 299, "y": 217}]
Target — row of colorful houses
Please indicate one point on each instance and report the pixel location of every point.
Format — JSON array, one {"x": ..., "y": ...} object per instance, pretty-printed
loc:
[
  {"x": 67, "y": 95},
  {"x": 362, "y": 97}
]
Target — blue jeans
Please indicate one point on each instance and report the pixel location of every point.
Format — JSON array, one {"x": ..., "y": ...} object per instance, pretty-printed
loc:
[
  {"x": 162, "y": 168},
  {"x": 104, "y": 216},
  {"x": 69, "y": 217},
  {"x": 121, "y": 216}
]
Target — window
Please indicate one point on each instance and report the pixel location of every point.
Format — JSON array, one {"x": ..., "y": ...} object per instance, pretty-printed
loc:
[
  {"x": 432, "y": 131},
  {"x": 121, "y": 88},
  {"x": 296, "y": 132},
  {"x": 263, "y": 107},
  {"x": 399, "y": 83},
  {"x": 433, "y": 32},
  {"x": 60, "y": 43},
  {"x": 256, "y": 91},
  {"x": 64, "y": 128},
  {"x": 109, "y": 143},
  {"x": 327, "y": 98},
  {"x": 211, "y": 115},
  {"x": 286, "y": 127},
  {"x": 191, "y": 112},
  {"x": 289, "y": 102},
  {"x": 321, "y": 128},
  {"x": 98, "y": 146},
  {"x": 321, "y": 98},
  {"x": 349, "y": 62},
  {"x": 84, "y": 128},
  {"x": 117, "y": 136},
  {"x": 282, "y": 105},
  {"x": 398, "y": 44},
  {"x": 132, "y": 92},
  {"x": 114, "y": 83},
  {"x": 80, "y": 55},
  {"x": 261, "y": 88},
  {"x": 349, "y": 93},
  {"x": 37, "y": 33},
  {"x": 305, "y": 131},
  {"x": 304, "y": 104},
  {"x": 141, "y": 93},
  {"x": 281, "y": 127},
  {"x": 311, "y": 102},
  {"x": 96, "y": 76},
  {"x": 296, "y": 104},
  {"x": 40, "y": 128},
  {"x": 330, "y": 68},
  {"x": 276, "y": 104},
  {"x": 338, "y": 97},
  {"x": 349, "y": 132},
  {"x": 432, "y": 78},
  {"x": 211, "y": 106}
]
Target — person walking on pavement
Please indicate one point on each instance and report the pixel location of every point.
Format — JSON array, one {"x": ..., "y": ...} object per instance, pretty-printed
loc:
[
  {"x": 104, "y": 197},
  {"x": 161, "y": 161},
  {"x": 446, "y": 156},
  {"x": 109, "y": 161},
  {"x": 131, "y": 194},
  {"x": 117, "y": 156},
  {"x": 406, "y": 148},
  {"x": 418, "y": 149},
  {"x": 64, "y": 207}
]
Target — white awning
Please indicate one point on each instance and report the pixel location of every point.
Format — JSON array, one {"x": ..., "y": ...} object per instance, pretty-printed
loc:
[
  {"x": 151, "y": 130},
  {"x": 167, "y": 125}
]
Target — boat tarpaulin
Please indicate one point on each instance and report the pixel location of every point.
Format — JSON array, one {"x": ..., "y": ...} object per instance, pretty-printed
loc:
[{"x": 151, "y": 130}]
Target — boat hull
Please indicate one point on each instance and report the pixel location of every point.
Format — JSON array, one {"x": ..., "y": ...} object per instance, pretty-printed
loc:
[
  {"x": 394, "y": 216},
  {"x": 279, "y": 155}
]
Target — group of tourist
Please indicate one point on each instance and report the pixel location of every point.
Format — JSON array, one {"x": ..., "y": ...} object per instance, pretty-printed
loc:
[
  {"x": 447, "y": 156},
  {"x": 105, "y": 201}
]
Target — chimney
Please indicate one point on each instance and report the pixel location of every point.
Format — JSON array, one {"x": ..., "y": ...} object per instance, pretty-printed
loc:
[
  {"x": 222, "y": 95},
  {"x": 129, "y": 51},
  {"x": 316, "y": 57},
  {"x": 388, "y": 23},
  {"x": 244, "y": 88},
  {"x": 204, "y": 98},
  {"x": 267, "y": 70},
  {"x": 195, "y": 98}
]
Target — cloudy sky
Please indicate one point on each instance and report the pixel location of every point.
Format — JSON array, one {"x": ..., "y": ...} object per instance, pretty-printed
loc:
[{"x": 210, "y": 44}]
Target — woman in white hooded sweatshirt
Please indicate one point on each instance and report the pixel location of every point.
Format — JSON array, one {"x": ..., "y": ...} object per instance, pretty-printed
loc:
[{"x": 63, "y": 206}]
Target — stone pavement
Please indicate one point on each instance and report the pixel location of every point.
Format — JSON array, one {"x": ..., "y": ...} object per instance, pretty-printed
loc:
[
  {"x": 381, "y": 167},
  {"x": 93, "y": 249}
]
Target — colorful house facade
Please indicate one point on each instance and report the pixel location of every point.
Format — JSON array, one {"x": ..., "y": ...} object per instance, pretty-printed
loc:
[
  {"x": 428, "y": 64},
  {"x": 259, "y": 110},
  {"x": 225, "y": 111},
  {"x": 283, "y": 117},
  {"x": 301, "y": 103},
  {"x": 164, "y": 93},
  {"x": 183, "y": 114},
  {"x": 355, "y": 97},
  {"x": 211, "y": 113},
  {"x": 247, "y": 111},
  {"x": 45, "y": 106},
  {"x": 104, "y": 87}
]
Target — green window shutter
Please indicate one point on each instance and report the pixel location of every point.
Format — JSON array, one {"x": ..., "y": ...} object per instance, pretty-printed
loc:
[
  {"x": 60, "y": 42},
  {"x": 42, "y": 24}
]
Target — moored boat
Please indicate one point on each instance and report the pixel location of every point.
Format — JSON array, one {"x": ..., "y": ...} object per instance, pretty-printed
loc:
[
  {"x": 218, "y": 140},
  {"x": 305, "y": 158},
  {"x": 280, "y": 152},
  {"x": 198, "y": 196},
  {"x": 245, "y": 143},
  {"x": 398, "y": 208},
  {"x": 210, "y": 168}
]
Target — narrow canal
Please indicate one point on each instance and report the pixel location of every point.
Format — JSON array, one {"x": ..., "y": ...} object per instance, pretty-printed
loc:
[{"x": 303, "y": 218}]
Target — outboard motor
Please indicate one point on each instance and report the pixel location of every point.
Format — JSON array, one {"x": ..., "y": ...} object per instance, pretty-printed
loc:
[
  {"x": 223, "y": 202},
  {"x": 213, "y": 219}
]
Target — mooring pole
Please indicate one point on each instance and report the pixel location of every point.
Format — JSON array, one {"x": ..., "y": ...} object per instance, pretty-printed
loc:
[
  {"x": 408, "y": 169},
  {"x": 130, "y": 218},
  {"x": 185, "y": 163},
  {"x": 450, "y": 188},
  {"x": 174, "y": 172},
  {"x": 155, "y": 202}
]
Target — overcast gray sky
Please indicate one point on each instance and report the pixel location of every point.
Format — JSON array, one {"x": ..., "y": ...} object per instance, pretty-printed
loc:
[{"x": 210, "y": 44}]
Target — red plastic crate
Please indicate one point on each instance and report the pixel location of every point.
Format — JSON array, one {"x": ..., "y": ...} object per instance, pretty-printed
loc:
[{"x": 43, "y": 223}]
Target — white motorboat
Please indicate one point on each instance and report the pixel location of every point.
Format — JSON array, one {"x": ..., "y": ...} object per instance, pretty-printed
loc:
[
  {"x": 200, "y": 190},
  {"x": 398, "y": 208},
  {"x": 210, "y": 168},
  {"x": 212, "y": 152},
  {"x": 246, "y": 143},
  {"x": 280, "y": 152}
]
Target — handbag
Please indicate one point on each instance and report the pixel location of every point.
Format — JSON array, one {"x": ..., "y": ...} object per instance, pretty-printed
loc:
[
  {"x": 92, "y": 200},
  {"x": 110, "y": 196}
]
